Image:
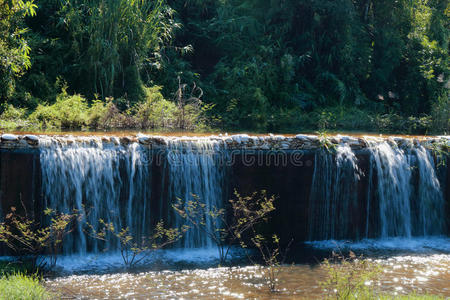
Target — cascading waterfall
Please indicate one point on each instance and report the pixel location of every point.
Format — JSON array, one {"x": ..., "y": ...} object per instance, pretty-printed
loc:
[
  {"x": 392, "y": 166},
  {"x": 430, "y": 213},
  {"x": 137, "y": 163},
  {"x": 393, "y": 204},
  {"x": 395, "y": 194},
  {"x": 333, "y": 194},
  {"x": 86, "y": 177},
  {"x": 196, "y": 169},
  {"x": 408, "y": 190},
  {"x": 113, "y": 183}
]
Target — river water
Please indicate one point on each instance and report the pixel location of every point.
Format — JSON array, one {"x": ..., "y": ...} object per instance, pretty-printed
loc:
[
  {"x": 420, "y": 266},
  {"x": 402, "y": 274}
]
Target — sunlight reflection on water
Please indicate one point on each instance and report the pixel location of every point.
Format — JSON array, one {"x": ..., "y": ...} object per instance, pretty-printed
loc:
[{"x": 402, "y": 275}]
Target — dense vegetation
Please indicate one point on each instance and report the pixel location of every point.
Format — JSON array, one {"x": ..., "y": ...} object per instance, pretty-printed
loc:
[{"x": 262, "y": 65}]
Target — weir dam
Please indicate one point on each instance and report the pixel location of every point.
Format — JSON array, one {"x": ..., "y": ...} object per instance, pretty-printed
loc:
[{"x": 326, "y": 187}]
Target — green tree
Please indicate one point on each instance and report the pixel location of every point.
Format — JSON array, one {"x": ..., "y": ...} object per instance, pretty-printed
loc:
[
  {"x": 102, "y": 47},
  {"x": 14, "y": 48}
]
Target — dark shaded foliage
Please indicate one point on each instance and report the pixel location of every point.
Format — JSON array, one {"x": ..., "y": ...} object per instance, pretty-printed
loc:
[{"x": 277, "y": 65}]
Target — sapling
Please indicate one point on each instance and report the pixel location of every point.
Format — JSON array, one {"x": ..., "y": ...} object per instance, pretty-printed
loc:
[
  {"x": 27, "y": 237},
  {"x": 247, "y": 212},
  {"x": 134, "y": 249},
  {"x": 349, "y": 277},
  {"x": 270, "y": 249}
]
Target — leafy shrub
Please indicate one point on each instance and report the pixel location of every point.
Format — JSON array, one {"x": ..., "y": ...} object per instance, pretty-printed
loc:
[
  {"x": 13, "y": 117},
  {"x": 396, "y": 123},
  {"x": 346, "y": 278},
  {"x": 353, "y": 277},
  {"x": 288, "y": 120},
  {"x": 106, "y": 115},
  {"x": 27, "y": 237},
  {"x": 97, "y": 114},
  {"x": 155, "y": 111},
  {"x": 419, "y": 125},
  {"x": 11, "y": 113},
  {"x": 19, "y": 286},
  {"x": 191, "y": 111},
  {"x": 340, "y": 118},
  {"x": 72, "y": 111},
  {"x": 248, "y": 211},
  {"x": 190, "y": 116},
  {"x": 69, "y": 111},
  {"x": 326, "y": 120},
  {"x": 354, "y": 118}
]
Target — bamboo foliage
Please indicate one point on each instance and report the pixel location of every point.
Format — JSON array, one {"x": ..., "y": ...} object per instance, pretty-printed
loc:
[{"x": 114, "y": 35}]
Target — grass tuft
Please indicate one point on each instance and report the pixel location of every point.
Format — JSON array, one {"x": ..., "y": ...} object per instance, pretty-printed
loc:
[{"x": 23, "y": 287}]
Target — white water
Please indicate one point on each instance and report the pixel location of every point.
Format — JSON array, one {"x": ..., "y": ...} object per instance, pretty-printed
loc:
[
  {"x": 408, "y": 190},
  {"x": 333, "y": 193},
  {"x": 196, "y": 171},
  {"x": 113, "y": 183},
  {"x": 403, "y": 195},
  {"x": 410, "y": 245},
  {"x": 431, "y": 210},
  {"x": 394, "y": 189},
  {"x": 84, "y": 177}
]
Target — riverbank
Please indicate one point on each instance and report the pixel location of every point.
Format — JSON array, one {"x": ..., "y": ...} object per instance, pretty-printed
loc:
[{"x": 74, "y": 113}]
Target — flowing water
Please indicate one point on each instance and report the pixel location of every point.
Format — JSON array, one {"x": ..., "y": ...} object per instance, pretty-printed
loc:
[
  {"x": 394, "y": 202},
  {"x": 404, "y": 197},
  {"x": 196, "y": 171},
  {"x": 408, "y": 205},
  {"x": 393, "y": 171},
  {"x": 333, "y": 196},
  {"x": 104, "y": 181},
  {"x": 431, "y": 201},
  {"x": 86, "y": 177}
]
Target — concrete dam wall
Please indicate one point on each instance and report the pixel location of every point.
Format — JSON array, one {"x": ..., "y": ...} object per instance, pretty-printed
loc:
[{"x": 339, "y": 187}]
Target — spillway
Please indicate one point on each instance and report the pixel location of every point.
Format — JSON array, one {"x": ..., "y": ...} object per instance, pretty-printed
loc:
[{"x": 340, "y": 188}]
